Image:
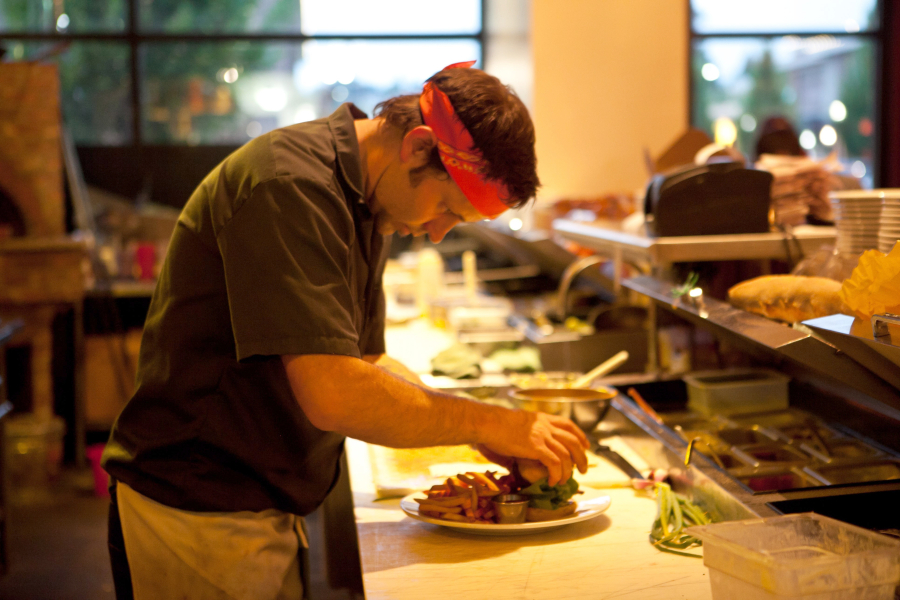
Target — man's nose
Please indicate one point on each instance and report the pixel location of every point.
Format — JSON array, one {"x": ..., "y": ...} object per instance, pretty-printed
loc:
[{"x": 438, "y": 228}]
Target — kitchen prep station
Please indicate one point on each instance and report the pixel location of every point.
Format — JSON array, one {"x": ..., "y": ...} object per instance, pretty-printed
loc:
[
  {"x": 804, "y": 432},
  {"x": 404, "y": 558},
  {"x": 336, "y": 299}
]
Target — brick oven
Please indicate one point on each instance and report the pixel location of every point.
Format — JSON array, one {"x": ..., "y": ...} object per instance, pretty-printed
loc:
[{"x": 42, "y": 269}]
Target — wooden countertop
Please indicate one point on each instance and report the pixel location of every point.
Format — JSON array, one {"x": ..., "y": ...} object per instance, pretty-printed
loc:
[{"x": 606, "y": 557}]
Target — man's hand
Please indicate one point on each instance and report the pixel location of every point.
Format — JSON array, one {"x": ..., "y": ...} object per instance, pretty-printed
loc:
[
  {"x": 556, "y": 442},
  {"x": 350, "y": 396},
  {"x": 506, "y": 462}
]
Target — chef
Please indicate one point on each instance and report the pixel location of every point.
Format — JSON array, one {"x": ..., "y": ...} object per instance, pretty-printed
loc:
[{"x": 263, "y": 346}]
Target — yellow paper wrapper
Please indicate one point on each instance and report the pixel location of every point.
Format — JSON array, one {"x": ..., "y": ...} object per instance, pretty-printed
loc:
[{"x": 874, "y": 285}]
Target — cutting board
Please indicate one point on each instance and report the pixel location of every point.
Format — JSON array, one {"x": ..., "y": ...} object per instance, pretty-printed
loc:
[{"x": 397, "y": 472}]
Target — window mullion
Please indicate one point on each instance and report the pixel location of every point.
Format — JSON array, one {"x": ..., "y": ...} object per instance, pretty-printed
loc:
[{"x": 134, "y": 46}]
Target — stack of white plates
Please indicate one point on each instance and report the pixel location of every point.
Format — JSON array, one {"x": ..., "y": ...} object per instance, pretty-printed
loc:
[
  {"x": 857, "y": 217},
  {"x": 889, "y": 232}
]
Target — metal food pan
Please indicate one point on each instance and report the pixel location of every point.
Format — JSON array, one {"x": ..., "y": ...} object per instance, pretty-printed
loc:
[
  {"x": 775, "y": 419},
  {"x": 809, "y": 432},
  {"x": 693, "y": 421},
  {"x": 771, "y": 454},
  {"x": 743, "y": 436},
  {"x": 723, "y": 459},
  {"x": 776, "y": 480},
  {"x": 869, "y": 471},
  {"x": 840, "y": 449},
  {"x": 691, "y": 425}
]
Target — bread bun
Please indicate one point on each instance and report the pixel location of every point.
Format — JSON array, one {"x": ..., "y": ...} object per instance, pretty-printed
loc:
[
  {"x": 531, "y": 470},
  {"x": 788, "y": 298},
  {"x": 541, "y": 514}
]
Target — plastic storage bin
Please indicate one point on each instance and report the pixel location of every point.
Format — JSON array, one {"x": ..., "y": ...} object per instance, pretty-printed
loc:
[
  {"x": 737, "y": 391},
  {"x": 803, "y": 555}
]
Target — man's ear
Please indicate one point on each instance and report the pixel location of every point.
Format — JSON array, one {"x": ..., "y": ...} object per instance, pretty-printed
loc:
[{"x": 417, "y": 145}]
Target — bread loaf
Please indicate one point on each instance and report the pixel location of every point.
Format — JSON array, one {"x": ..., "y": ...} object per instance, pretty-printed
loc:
[{"x": 789, "y": 298}]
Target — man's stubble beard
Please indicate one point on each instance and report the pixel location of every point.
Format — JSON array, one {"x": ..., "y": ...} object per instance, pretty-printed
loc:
[{"x": 383, "y": 224}]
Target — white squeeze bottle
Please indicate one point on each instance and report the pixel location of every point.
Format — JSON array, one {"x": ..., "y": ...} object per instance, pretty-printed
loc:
[{"x": 430, "y": 281}]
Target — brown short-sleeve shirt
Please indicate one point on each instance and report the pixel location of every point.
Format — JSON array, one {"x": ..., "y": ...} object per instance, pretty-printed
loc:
[{"x": 275, "y": 253}]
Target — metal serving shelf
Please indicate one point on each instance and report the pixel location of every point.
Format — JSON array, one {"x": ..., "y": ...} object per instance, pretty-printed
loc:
[
  {"x": 851, "y": 364},
  {"x": 841, "y": 373},
  {"x": 661, "y": 251},
  {"x": 856, "y": 337}
]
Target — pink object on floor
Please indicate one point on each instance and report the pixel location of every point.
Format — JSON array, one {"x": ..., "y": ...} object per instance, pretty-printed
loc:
[{"x": 101, "y": 477}]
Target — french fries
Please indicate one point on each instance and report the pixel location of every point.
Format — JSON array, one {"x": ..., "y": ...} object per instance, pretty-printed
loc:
[{"x": 465, "y": 497}]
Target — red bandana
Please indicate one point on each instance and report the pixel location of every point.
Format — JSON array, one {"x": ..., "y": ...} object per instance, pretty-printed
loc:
[{"x": 457, "y": 150}]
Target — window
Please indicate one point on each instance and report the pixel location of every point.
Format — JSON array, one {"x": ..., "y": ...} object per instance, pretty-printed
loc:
[
  {"x": 221, "y": 72},
  {"x": 156, "y": 92},
  {"x": 813, "y": 62}
]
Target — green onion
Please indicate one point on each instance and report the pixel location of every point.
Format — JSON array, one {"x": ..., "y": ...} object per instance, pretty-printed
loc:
[
  {"x": 689, "y": 284},
  {"x": 674, "y": 513}
]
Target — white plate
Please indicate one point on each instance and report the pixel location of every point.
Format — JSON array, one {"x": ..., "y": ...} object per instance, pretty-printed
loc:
[{"x": 590, "y": 504}]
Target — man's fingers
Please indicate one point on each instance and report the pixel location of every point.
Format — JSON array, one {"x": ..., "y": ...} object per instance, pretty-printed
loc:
[
  {"x": 573, "y": 445},
  {"x": 565, "y": 460},
  {"x": 551, "y": 460},
  {"x": 574, "y": 439},
  {"x": 574, "y": 429}
]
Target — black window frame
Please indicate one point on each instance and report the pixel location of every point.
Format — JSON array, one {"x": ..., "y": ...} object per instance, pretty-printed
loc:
[
  {"x": 884, "y": 147},
  {"x": 168, "y": 173}
]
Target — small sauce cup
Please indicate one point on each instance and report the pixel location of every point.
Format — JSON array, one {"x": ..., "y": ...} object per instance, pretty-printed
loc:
[{"x": 510, "y": 508}]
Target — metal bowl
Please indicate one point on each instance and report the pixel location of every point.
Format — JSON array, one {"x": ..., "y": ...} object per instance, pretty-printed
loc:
[
  {"x": 585, "y": 407},
  {"x": 544, "y": 379}
]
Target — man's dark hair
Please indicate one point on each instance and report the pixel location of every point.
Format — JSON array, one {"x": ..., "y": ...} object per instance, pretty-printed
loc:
[{"x": 494, "y": 116}]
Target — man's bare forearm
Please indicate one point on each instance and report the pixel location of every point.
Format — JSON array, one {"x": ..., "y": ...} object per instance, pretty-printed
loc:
[
  {"x": 365, "y": 402},
  {"x": 360, "y": 400},
  {"x": 394, "y": 366}
]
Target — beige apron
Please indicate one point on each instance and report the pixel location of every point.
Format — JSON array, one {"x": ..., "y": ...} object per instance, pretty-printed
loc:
[{"x": 177, "y": 554}]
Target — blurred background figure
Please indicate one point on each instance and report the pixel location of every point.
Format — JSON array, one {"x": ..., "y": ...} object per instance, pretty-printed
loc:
[
  {"x": 777, "y": 136},
  {"x": 801, "y": 185}
]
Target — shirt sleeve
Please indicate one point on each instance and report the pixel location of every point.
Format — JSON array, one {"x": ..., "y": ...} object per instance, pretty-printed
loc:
[
  {"x": 373, "y": 340},
  {"x": 286, "y": 256}
]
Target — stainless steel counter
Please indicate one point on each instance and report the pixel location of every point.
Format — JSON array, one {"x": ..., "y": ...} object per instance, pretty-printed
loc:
[
  {"x": 658, "y": 252},
  {"x": 840, "y": 373}
]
